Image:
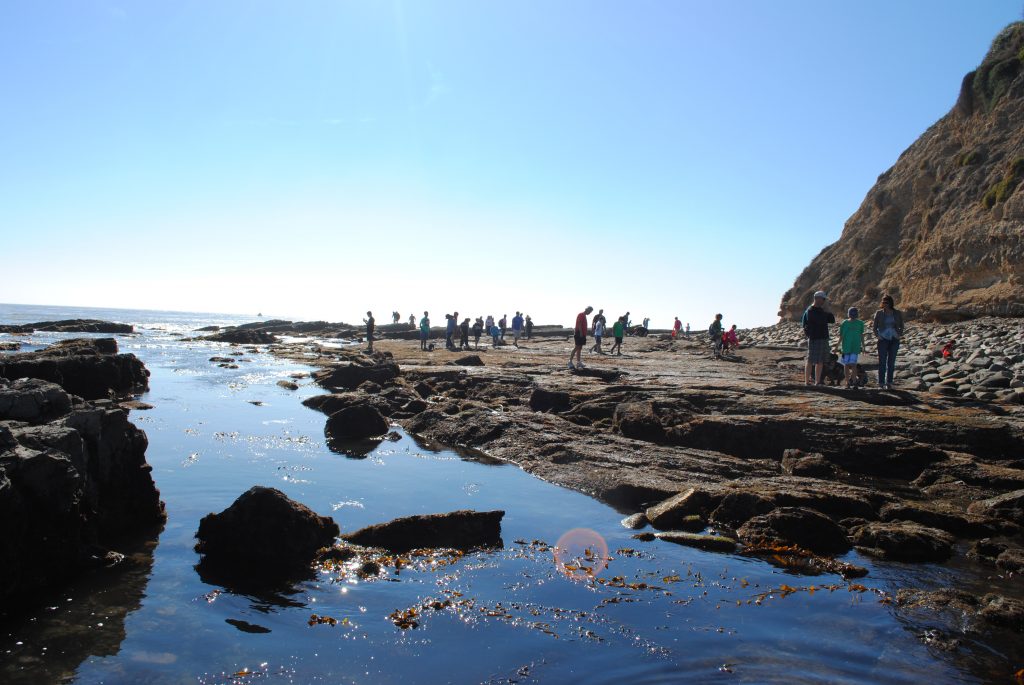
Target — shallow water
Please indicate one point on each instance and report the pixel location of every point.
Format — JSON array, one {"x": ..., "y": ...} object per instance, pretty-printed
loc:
[{"x": 677, "y": 615}]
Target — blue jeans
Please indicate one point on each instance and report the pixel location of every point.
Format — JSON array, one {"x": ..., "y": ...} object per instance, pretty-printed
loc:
[{"x": 887, "y": 359}]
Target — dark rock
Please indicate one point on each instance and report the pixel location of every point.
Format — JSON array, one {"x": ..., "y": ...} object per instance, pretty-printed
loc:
[
  {"x": 669, "y": 514},
  {"x": 356, "y": 422},
  {"x": 961, "y": 525},
  {"x": 241, "y": 336},
  {"x": 370, "y": 388},
  {"x": 424, "y": 389},
  {"x": 903, "y": 541},
  {"x": 463, "y": 529},
  {"x": 89, "y": 368},
  {"x": 804, "y": 528},
  {"x": 1008, "y": 506},
  {"x": 352, "y": 375},
  {"x": 737, "y": 508},
  {"x": 72, "y": 482},
  {"x": 1003, "y": 611},
  {"x": 415, "y": 406},
  {"x": 71, "y": 326},
  {"x": 262, "y": 537},
  {"x": 710, "y": 543},
  {"x": 468, "y": 360},
  {"x": 548, "y": 400},
  {"x": 33, "y": 400},
  {"x": 287, "y": 385},
  {"x": 798, "y": 463}
]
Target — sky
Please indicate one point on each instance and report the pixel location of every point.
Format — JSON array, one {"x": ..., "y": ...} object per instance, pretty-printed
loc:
[{"x": 316, "y": 159}]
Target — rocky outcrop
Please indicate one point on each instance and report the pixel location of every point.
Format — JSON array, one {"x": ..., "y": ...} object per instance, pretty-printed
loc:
[
  {"x": 70, "y": 326},
  {"x": 87, "y": 367},
  {"x": 263, "y": 537},
  {"x": 356, "y": 422},
  {"x": 463, "y": 529},
  {"x": 942, "y": 229},
  {"x": 73, "y": 482},
  {"x": 804, "y": 528}
]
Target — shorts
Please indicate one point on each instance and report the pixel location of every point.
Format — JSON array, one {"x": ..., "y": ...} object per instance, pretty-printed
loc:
[
  {"x": 580, "y": 340},
  {"x": 516, "y": 334},
  {"x": 618, "y": 340},
  {"x": 849, "y": 358},
  {"x": 423, "y": 335},
  {"x": 817, "y": 350}
]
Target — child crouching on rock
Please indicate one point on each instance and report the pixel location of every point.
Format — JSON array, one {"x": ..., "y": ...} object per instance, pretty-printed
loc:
[{"x": 851, "y": 342}]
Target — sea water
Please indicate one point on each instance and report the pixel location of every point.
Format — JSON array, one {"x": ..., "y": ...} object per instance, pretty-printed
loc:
[{"x": 653, "y": 612}]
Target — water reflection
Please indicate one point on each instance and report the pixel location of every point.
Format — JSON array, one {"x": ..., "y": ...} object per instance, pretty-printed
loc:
[{"x": 84, "y": 620}]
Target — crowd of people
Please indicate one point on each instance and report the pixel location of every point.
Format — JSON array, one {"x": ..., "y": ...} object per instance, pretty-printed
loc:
[{"x": 886, "y": 325}]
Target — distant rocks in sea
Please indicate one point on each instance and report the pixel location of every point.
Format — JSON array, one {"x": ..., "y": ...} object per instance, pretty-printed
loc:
[{"x": 70, "y": 326}]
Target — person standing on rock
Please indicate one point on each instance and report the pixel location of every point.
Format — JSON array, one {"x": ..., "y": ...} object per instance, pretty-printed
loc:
[
  {"x": 618, "y": 330},
  {"x": 598, "y": 334},
  {"x": 464, "y": 334},
  {"x": 529, "y": 326},
  {"x": 449, "y": 330},
  {"x": 715, "y": 333},
  {"x": 597, "y": 317},
  {"x": 815, "y": 322},
  {"x": 579, "y": 335},
  {"x": 888, "y": 327},
  {"x": 369, "y": 331},
  {"x": 424, "y": 331},
  {"x": 517, "y": 328},
  {"x": 478, "y": 330},
  {"x": 687, "y": 330},
  {"x": 675, "y": 328},
  {"x": 851, "y": 342},
  {"x": 503, "y": 325},
  {"x": 412, "y": 320}
]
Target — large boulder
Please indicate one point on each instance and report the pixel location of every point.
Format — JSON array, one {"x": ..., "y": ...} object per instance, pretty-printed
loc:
[
  {"x": 463, "y": 529},
  {"x": 804, "y": 528},
  {"x": 356, "y": 422},
  {"x": 71, "y": 326},
  {"x": 262, "y": 537}
]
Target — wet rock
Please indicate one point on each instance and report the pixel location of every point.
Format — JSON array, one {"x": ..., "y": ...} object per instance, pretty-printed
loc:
[
  {"x": 9, "y": 346},
  {"x": 736, "y": 508},
  {"x": 356, "y": 422},
  {"x": 1008, "y": 506},
  {"x": 287, "y": 385},
  {"x": 669, "y": 514},
  {"x": 262, "y": 537},
  {"x": 1003, "y": 611},
  {"x": 547, "y": 400},
  {"x": 710, "y": 543},
  {"x": 241, "y": 336},
  {"x": 903, "y": 541},
  {"x": 424, "y": 389},
  {"x": 463, "y": 529},
  {"x": 805, "y": 528},
  {"x": 370, "y": 388}
]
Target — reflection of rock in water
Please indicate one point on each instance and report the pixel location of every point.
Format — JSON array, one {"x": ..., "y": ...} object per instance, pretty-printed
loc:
[{"x": 85, "y": 619}]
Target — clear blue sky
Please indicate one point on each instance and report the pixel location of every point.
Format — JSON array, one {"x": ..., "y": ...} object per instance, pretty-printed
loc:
[{"x": 316, "y": 159}]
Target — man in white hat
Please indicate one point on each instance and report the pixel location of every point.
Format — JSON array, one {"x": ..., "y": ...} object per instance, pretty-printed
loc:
[{"x": 815, "y": 320}]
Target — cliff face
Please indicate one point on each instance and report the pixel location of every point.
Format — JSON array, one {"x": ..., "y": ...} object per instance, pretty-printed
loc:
[{"x": 943, "y": 229}]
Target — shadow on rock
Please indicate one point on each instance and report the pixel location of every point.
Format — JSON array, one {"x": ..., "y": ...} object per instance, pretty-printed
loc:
[{"x": 262, "y": 540}]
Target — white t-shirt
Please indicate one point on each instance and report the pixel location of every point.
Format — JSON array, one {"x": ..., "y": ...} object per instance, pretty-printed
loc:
[{"x": 599, "y": 329}]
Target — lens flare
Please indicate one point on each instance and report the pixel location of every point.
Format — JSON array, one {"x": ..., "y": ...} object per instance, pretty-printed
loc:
[{"x": 581, "y": 553}]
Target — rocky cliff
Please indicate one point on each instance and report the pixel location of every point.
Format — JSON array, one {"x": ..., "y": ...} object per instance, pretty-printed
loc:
[{"x": 943, "y": 229}]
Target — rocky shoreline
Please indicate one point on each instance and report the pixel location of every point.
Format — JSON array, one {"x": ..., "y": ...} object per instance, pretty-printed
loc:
[
  {"x": 739, "y": 449},
  {"x": 74, "y": 482}
]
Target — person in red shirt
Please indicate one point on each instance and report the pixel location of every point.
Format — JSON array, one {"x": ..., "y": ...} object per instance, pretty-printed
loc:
[{"x": 579, "y": 334}]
